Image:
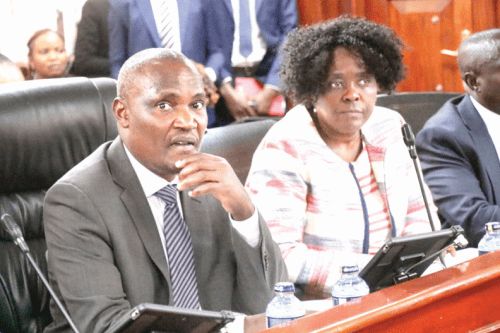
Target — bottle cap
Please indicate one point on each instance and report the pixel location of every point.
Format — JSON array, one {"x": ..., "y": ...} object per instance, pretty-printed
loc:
[
  {"x": 351, "y": 269},
  {"x": 284, "y": 287},
  {"x": 492, "y": 226}
]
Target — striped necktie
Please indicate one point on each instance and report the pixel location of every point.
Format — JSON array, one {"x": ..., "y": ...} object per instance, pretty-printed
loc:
[
  {"x": 179, "y": 252},
  {"x": 245, "y": 29},
  {"x": 167, "y": 31}
]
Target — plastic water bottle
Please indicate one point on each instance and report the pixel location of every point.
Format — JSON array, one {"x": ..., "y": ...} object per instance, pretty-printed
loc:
[
  {"x": 350, "y": 286},
  {"x": 491, "y": 240},
  {"x": 284, "y": 306}
]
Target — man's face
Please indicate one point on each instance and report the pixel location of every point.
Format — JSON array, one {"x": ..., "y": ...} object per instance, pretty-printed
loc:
[
  {"x": 488, "y": 82},
  {"x": 163, "y": 116}
]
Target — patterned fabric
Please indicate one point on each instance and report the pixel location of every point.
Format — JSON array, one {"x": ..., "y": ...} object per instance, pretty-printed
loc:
[
  {"x": 179, "y": 252},
  {"x": 311, "y": 202},
  {"x": 166, "y": 33}
]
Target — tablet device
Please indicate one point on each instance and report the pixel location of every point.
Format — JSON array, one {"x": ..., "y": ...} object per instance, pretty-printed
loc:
[
  {"x": 148, "y": 317},
  {"x": 404, "y": 258}
]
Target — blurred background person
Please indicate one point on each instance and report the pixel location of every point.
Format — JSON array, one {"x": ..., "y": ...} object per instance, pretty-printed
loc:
[
  {"x": 333, "y": 178},
  {"x": 9, "y": 72},
  {"x": 252, "y": 32},
  {"x": 47, "y": 56},
  {"x": 187, "y": 26},
  {"x": 92, "y": 41}
]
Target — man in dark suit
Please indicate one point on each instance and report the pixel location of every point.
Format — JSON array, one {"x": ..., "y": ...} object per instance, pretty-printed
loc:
[
  {"x": 105, "y": 221},
  {"x": 272, "y": 21},
  {"x": 133, "y": 27},
  {"x": 459, "y": 146},
  {"x": 92, "y": 41}
]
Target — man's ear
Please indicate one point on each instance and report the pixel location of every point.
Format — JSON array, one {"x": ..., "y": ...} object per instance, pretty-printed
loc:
[
  {"x": 470, "y": 79},
  {"x": 121, "y": 112}
]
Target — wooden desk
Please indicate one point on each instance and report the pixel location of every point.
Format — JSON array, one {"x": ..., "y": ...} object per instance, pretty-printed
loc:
[{"x": 463, "y": 298}]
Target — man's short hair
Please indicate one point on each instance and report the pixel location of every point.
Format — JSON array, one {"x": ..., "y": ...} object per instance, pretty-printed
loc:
[
  {"x": 130, "y": 69},
  {"x": 477, "y": 50}
]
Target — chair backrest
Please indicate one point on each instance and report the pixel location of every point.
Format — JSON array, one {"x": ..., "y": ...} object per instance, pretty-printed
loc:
[
  {"x": 416, "y": 107},
  {"x": 46, "y": 127},
  {"x": 237, "y": 143}
]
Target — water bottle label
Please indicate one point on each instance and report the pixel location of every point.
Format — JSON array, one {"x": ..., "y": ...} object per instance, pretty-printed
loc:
[
  {"x": 483, "y": 252},
  {"x": 272, "y": 321},
  {"x": 342, "y": 300},
  {"x": 349, "y": 269}
]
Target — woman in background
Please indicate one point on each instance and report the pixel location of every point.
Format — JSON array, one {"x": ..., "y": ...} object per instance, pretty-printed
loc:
[
  {"x": 333, "y": 179},
  {"x": 47, "y": 56}
]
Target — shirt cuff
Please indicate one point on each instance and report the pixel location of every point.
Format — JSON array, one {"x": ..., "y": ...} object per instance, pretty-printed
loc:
[
  {"x": 211, "y": 74},
  {"x": 249, "y": 229},
  {"x": 236, "y": 326}
]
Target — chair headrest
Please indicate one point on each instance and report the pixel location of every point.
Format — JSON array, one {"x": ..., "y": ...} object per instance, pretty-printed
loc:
[{"x": 48, "y": 126}]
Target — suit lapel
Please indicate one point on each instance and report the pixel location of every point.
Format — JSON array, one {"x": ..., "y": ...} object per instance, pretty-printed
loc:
[
  {"x": 484, "y": 145},
  {"x": 149, "y": 19},
  {"x": 229, "y": 6},
  {"x": 135, "y": 201}
]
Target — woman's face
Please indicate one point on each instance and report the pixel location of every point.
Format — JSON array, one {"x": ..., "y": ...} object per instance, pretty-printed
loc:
[
  {"x": 349, "y": 102},
  {"x": 48, "y": 58}
]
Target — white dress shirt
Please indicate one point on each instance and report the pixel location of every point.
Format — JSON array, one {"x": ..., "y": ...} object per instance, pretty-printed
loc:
[
  {"x": 492, "y": 121},
  {"x": 152, "y": 183},
  {"x": 174, "y": 18}
]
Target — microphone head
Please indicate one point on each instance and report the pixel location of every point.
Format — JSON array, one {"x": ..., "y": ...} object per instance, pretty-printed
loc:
[
  {"x": 408, "y": 136},
  {"x": 11, "y": 227}
]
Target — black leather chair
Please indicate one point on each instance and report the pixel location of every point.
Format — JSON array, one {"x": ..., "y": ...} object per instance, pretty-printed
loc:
[
  {"x": 46, "y": 127},
  {"x": 415, "y": 107}
]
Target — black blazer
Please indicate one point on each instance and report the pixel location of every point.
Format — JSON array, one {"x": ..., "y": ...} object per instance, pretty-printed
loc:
[{"x": 461, "y": 167}]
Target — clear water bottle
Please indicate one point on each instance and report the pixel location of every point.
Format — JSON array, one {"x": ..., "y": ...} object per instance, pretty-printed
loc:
[
  {"x": 350, "y": 286},
  {"x": 284, "y": 306},
  {"x": 491, "y": 240}
]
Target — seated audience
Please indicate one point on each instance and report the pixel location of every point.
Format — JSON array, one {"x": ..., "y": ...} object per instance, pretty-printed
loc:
[
  {"x": 92, "y": 41},
  {"x": 460, "y": 145},
  {"x": 333, "y": 178},
  {"x": 115, "y": 223},
  {"x": 9, "y": 72},
  {"x": 47, "y": 56}
]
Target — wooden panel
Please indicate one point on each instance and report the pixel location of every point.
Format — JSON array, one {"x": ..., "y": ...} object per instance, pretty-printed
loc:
[
  {"x": 484, "y": 14},
  {"x": 377, "y": 11},
  {"x": 458, "y": 299}
]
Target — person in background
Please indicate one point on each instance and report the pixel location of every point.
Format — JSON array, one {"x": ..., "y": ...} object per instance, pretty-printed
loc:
[
  {"x": 9, "y": 72},
  {"x": 333, "y": 178},
  {"x": 187, "y": 26},
  {"x": 252, "y": 32},
  {"x": 460, "y": 145},
  {"x": 47, "y": 56},
  {"x": 92, "y": 41},
  {"x": 146, "y": 218}
]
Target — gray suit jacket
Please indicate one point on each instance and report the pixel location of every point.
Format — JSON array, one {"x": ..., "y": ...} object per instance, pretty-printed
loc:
[{"x": 105, "y": 254}]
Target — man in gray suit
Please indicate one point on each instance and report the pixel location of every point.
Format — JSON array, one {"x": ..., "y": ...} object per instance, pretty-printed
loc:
[{"x": 104, "y": 219}]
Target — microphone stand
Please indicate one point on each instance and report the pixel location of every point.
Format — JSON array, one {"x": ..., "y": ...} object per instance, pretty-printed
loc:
[
  {"x": 409, "y": 139},
  {"x": 16, "y": 235}
]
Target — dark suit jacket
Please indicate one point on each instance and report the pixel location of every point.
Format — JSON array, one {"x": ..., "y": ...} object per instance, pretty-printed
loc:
[
  {"x": 92, "y": 41},
  {"x": 461, "y": 167},
  {"x": 275, "y": 20},
  {"x": 132, "y": 28},
  {"x": 105, "y": 254}
]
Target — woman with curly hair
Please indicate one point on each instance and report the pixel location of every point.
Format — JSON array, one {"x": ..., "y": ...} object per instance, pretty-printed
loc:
[{"x": 333, "y": 178}]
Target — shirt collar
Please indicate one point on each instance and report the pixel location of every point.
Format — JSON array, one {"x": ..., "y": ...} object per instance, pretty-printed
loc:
[{"x": 150, "y": 182}]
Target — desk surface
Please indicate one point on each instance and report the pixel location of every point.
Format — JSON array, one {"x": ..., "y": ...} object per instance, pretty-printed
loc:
[{"x": 462, "y": 298}]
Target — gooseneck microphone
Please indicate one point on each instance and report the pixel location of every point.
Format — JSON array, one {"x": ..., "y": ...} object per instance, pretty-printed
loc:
[
  {"x": 16, "y": 236},
  {"x": 409, "y": 139}
]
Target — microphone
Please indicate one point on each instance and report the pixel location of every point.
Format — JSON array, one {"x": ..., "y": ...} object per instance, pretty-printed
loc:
[
  {"x": 409, "y": 140},
  {"x": 16, "y": 235}
]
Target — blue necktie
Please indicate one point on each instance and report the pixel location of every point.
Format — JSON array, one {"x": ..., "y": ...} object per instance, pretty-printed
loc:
[
  {"x": 245, "y": 29},
  {"x": 179, "y": 252},
  {"x": 166, "y": 32}
]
